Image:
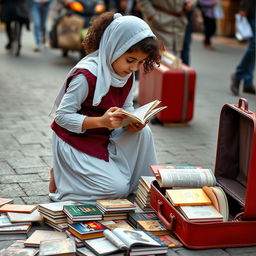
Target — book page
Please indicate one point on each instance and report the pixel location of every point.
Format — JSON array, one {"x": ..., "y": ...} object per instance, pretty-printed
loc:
[
  {"x": 114, "y": 239},
  {"x": 134, "y": 237},
  {"x": 153, "y": 112},
  {"x": 186, "y": 178}
]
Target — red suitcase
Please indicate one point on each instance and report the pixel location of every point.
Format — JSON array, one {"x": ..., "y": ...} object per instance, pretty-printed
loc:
[
  {"x": 235, "y": 171},
  {"x": 175, "y": 87}
]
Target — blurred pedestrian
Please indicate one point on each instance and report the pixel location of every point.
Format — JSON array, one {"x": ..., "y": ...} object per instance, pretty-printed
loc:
[
  {"x": 207, "y": 8},
  {"x": 39, "y": 11},
  {"x": 185, "y": 52},
  {"x": 244, "y": 71},
  {"x": 167, "y": 19},
  {"x": 93, "y": 156},
  {"x": 14, "y": 10},
  {"x": 116, "y": 7}
]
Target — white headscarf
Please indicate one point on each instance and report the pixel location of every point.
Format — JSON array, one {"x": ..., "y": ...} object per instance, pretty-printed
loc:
[{"x": 122, "y": 33}]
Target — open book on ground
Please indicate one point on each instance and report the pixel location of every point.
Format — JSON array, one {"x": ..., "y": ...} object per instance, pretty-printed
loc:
[
  {"x": 125, "y": 239},
  {"x": 195, "y": 178},
  {"x": 141, "y": 114}
]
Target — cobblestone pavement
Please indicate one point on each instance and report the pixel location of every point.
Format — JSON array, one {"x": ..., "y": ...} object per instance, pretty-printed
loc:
[{"x": 29, "y": 85}]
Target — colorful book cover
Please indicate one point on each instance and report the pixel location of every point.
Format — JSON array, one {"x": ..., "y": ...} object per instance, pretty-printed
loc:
[
  {"x": 81, "y": 210},
  {"x": 116, "y": 203},
  {"x": 87, "y": 227}
]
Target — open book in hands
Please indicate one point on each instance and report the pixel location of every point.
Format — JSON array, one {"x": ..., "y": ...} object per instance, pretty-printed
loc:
[{"x": 141, "y": 114}]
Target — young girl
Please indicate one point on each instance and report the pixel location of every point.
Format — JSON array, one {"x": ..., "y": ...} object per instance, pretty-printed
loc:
[{"x": 93, "y": 157}]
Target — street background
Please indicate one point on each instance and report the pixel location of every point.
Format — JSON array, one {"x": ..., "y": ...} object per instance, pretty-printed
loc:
[{"x": 30, "y": 83}]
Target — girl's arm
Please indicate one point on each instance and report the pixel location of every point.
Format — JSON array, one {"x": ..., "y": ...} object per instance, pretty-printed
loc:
[{"x": 67, "y": 116}]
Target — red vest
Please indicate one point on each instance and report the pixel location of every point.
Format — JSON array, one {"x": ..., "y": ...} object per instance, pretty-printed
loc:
[{"x": 94, "y": 142}]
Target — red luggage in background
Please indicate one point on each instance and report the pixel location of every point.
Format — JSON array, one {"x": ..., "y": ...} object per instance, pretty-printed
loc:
[
  {"x": 235, "y": 171},
  {"x": 174, "y": 87}
]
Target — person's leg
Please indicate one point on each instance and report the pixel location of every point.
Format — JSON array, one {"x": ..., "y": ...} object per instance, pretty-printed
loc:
[
  {"x": 9, "y": 35},
  {"x": 37, "y": 24},
  {"x": 244, "y": 70},
  {"x": 44, "y": 15},
  {"x": 52, "y": 185},
  {"x": 185, "y": 56}
]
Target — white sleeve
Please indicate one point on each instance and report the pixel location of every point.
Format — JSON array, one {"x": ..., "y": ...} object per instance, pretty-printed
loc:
[{"x": 66, "y": 114}]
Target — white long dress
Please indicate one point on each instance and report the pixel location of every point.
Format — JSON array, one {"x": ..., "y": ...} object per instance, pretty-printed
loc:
[{"x": 84, "y": 178}]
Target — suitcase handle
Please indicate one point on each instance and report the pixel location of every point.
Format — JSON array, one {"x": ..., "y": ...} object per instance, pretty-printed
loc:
[
  {"x": 168, "y": 224},
  {"x": 243, "y": 101}
]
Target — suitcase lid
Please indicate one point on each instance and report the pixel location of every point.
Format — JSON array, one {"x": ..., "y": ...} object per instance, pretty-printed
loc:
[{"x": 235, "y": 165}]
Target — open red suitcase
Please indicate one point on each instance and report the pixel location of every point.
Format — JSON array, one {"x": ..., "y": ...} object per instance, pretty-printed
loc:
[
  {"x": 175, "y": 87},
  {"x": 235, "y": 171}
]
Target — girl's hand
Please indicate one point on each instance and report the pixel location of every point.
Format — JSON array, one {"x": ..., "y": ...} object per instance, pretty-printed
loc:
[
  {"x": 134, "y": 127},
  {"x": 112, "y": 119}
]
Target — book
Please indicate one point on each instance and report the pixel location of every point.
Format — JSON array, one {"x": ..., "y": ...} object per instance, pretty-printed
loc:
[
  {"x": 83, "y": 251},
  {"x": 141, "y": 114},
  {"x": 115, "y": 205},
  {"x": 155, "y": 168},
  {"x": 153, "y": 226},
  {"x": 15, "y": 229},
  {"x": 201, "y": 213},
  {"x": 134, "y": 217},
  {"x": 18, "y": 208},
  {"x": 219, "y": 200},
  {"x": 17, "y": 217},
  {"x": 18, "y": 248},
  {"x": 126, "y": 240},
  {"x": 40, "y": 235},
  {"x": 170, "y": 241},
  {"x": 87, "y": 229},
  {"x": 55, "y": 208},
  {"x": 189, "y": 196},
  {"x": 5, "y": 222},
  {"x": 62, "y": 247},
  {"x": 5, "y": 201},
  {"x": 193, "y": 178},
  {"x": 82, "y": 212}
]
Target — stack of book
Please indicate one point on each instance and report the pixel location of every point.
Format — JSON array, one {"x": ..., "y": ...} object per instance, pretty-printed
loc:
[
  {"x": 143, "y": 192},
  {"x": 54, "y": 215},
  {"x": 115, "y": 209},
  {"x": 19, "y": 225},
  {"x": 82, "y": 212}
]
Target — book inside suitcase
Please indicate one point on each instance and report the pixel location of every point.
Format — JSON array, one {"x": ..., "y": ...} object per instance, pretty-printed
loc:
[{"x": 233, "y": 157}]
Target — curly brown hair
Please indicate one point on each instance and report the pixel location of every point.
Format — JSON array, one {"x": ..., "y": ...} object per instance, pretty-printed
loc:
[{"x": 148, "y": 45}]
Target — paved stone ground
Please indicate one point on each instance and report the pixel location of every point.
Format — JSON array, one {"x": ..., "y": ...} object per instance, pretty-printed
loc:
[{"x": 29, "y": 85}]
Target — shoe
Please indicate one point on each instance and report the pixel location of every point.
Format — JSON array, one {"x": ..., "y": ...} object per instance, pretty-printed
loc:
[
  {"x": 234, "y": 87},
  {"x": 209, "y": 47},
  {"x": 250, "y": 89},
  {"x": 38, "y": 48},
  {"x": 8, "y": 46}
]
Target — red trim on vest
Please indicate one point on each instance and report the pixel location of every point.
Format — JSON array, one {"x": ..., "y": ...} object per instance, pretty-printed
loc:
[{"x": 93, "y": 142}]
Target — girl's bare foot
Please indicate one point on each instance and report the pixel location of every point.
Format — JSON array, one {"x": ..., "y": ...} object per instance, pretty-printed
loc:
[{"x": 52, "y": 186}]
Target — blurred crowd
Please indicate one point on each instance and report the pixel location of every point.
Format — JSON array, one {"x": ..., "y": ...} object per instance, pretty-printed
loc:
[{"x": 172, "y": 21}]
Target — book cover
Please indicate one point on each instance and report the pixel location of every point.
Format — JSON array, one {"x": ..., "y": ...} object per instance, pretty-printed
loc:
[
  {"x": 87, "y": 229},
  {"x": 133, "y": 217},
  {"x": 170, "y": 241},
  {"x": 15, "y": 229},
  {"x": 201, "y": 213},
  {"x": 153, "y": 226},
  {"x": 5, "y": 221},
  {"x": 58, "y": 247},
  {"x": 34, "y": 216},
  {"x": 55, "y": 208},
  {"x": 82, "y": 212},
  {"x": 5, "y": 201},
  {"x": 18, "y": 208},
  {"x": 39, "y": 235},
  {"x": 83, "y": 251},
  {"x": 190, "y": 196},
  {"x": 146, "y": 181},
  {"x": 115, "y": 204}
]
